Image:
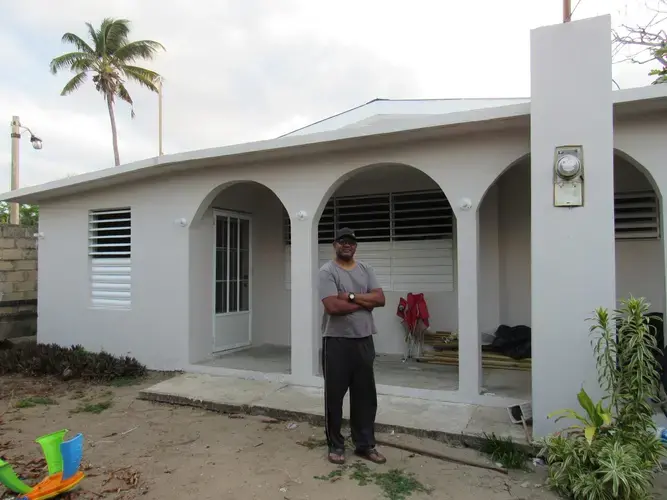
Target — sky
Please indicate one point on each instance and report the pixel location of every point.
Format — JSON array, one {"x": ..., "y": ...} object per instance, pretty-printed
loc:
[{"x": 244, "y": 70}]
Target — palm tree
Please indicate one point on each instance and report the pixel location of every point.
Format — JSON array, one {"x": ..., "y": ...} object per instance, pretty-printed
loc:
[{"x": 110, "y": 61}]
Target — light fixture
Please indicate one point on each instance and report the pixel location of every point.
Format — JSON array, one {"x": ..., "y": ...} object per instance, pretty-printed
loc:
[
  {"x": 36, "y": 142},
  {"x": 301, "y": 215},
  {"x": 465, "y": 204},
  {"x": 181, "y": 222}
]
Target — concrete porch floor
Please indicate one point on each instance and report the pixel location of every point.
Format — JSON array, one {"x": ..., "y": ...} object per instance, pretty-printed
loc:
[
  {"x": 433, "y": 419},
  {"x": 389, "y": 370}
]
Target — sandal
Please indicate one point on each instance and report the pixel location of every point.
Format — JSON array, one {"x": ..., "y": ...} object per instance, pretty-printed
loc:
[
  {"x": 336, "y": 457},
  {"x": 372, "y": 455}
]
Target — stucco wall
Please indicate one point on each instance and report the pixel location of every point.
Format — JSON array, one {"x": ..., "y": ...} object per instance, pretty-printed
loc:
[{"x": 172, "y": 265}]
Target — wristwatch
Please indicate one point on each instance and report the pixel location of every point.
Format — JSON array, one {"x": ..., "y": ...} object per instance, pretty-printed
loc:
[{"x": 350, "y": 297}]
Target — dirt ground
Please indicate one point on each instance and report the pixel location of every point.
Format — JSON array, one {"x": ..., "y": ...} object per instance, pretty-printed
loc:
[{"x": 137, "y": 449}]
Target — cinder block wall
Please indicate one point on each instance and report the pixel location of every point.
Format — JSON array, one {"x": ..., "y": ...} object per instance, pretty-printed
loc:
[{"x": 18, "y": 281}]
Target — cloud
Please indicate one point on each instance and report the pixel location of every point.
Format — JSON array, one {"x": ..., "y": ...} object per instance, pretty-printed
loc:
[{"x": 245, "y": 70}]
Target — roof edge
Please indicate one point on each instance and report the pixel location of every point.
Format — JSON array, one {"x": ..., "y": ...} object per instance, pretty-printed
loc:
[{"x": 301, "y": 143}]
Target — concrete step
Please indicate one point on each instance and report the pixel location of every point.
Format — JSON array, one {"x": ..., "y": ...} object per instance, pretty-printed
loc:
[{"x": 447, "y": 422}]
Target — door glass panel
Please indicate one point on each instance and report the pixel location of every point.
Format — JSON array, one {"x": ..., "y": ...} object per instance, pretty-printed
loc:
[
  {"x": 220, "y": 264},
  {"x": 221, "y": 232},
  {"x": 233, "y": 296},
  {"x": 233, "y": 232},
  {"x": 220, "y": 297},
  {"x": 245, "y": 265},
  {"x": 221, "y": 256},
  {"x": 245, "y": 235},
  {"x": 232, "y": 265},
  {"x": 244, "y": 299}
]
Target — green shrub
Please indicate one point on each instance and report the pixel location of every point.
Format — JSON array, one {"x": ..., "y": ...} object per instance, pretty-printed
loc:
[
  {"x": 67, "y": 363},
  {"x": 613, "y": 452}
]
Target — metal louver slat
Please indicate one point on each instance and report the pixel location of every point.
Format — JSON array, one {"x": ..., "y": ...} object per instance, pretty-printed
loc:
[
  {"x": 110, "y": 248},
  {"x": 636, "y": 215}
]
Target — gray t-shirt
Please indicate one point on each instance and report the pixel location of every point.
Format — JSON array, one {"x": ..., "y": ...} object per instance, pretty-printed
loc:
[{"x": 360, "y": 279}]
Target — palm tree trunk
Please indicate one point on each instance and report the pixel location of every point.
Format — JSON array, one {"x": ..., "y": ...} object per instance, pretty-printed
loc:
[{"x": 114, "y": 133}]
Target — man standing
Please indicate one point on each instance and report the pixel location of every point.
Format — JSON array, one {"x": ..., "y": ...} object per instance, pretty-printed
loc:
[{"x": 349, "y": 291}]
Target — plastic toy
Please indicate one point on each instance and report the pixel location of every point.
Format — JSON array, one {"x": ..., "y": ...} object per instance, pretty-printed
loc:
[{"x": 63, "y": 459}]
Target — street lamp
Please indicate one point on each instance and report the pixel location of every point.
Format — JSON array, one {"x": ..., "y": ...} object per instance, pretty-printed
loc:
[{"x": 36, "y": 144}]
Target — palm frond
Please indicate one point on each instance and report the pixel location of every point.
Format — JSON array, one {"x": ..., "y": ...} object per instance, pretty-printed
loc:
[
  {"x": 142, "y": 76},
  {"x": 141, "y": 49},
  {"x": 94, "y": 36},
  {"x": 74, "y": 83},
  {"x": 78, "y": 42},
  {"x": 115, "y": 33},
  {"x": 124, "y": 95},
  {"x": 70, "y": 60},
  {"x": 85, "y": 64}
]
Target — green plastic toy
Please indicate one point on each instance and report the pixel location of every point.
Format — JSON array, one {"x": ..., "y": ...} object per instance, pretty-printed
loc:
[{"x": 9, "y": 478}]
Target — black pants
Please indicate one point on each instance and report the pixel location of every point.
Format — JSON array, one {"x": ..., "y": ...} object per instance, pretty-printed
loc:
[{"x": 347, "y": 363}]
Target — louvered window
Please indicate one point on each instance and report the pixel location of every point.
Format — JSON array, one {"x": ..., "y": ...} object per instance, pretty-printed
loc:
[
  {"x": 110, "y": 249},
  {"x": 398, "y": 235},
  {"x": 636, "y": 215}
]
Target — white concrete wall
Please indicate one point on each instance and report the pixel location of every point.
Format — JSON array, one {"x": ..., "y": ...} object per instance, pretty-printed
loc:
[
  {"x": 155, "y": 328},
  {"x": 170, "y": 322},
  {"x": 572, "y": 252}
]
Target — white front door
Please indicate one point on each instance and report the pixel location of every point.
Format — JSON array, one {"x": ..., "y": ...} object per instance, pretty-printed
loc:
[{"x": 232, "y": 283}]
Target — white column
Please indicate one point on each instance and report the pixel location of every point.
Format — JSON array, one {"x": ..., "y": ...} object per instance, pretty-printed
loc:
[
  {"x": 573, "y": 249},
  {"x": 304, "y": 300},
  {"x": 467, "y": 253}
]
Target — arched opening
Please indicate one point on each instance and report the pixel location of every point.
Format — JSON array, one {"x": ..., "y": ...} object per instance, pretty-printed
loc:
[
  {"x": 505, "y": 260},
  {"x": 504, "y": 295},
  {"x": 406, "y": 230},
  {"x": 640, "y": 261},
  {"x": 239, "y": 304}
]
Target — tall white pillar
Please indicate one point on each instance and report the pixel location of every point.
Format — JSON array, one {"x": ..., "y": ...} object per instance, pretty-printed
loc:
[
  {"x": 467, "y": 253},
  {"x": 573, "y": 260},
  {"x": 304, "y": 304}
]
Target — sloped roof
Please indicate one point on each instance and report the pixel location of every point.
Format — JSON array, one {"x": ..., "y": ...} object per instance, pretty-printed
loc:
[
  {"x": 371, "y": 133},
  {"x": 381, "y": 106}
]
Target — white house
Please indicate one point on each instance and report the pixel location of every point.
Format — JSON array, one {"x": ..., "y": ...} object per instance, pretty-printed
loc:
[{"x": 207, "y": 260}]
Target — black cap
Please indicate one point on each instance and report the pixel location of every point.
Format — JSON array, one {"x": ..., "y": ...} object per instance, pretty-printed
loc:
[{"x": 345, "y": 232}]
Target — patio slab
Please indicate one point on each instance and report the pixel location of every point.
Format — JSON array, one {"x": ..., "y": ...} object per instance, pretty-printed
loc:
[{"x": 449, "y": 422}]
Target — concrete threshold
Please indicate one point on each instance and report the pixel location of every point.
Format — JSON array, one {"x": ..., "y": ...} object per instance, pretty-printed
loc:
[{"x": 452, "y": 423}]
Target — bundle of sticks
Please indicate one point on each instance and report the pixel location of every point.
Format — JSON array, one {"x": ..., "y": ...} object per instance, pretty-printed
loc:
[{"x": 445, "y": 352}]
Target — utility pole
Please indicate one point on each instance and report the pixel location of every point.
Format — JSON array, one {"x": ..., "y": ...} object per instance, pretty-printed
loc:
[
  {"x": 159, "y": 94},
  {"x": 16, "y": 136},
  {"x": 567, "y": 11},
  {"x": 16, "y": 139}
]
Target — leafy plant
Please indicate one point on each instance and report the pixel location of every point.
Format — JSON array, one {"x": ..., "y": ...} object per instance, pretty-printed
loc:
[
  {"x": 613, "y": 452},
  {"x": 597, "y": 417},
  {"x": 110, "y": 60},
  {"x": 504, "y": 451},
  {"x": 67, "y": 363}
]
